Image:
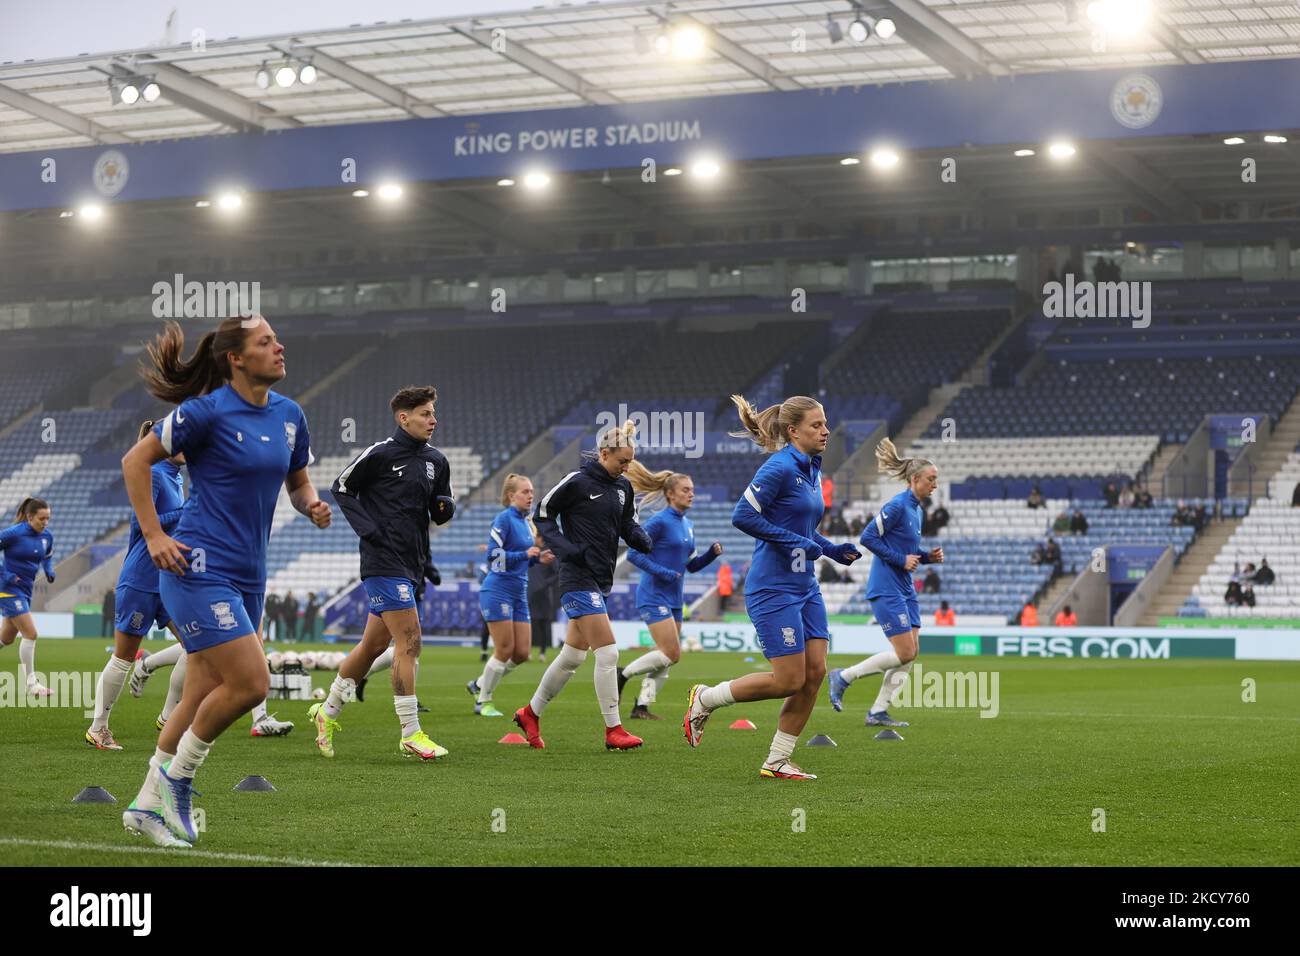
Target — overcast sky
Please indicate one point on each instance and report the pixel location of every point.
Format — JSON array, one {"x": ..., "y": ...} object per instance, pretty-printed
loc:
[{"x": 48, "y": 29}]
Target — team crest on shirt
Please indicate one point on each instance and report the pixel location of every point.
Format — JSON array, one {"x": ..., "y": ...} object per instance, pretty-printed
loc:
[
  {"x": 787, "y": 635},
  {"x": 505, "y": 608},
  {"x": 595, "y": 598},
  {"x": 290, "y": 434},
  {"x": 622, "y": 498},
  {"x": 225, "y": 617},
  {"x": 18, "y": 604},
  {"x": 663, "y": 609},
  {"x": 902, "y": 619},
  {"x": 137, "y": 618},
  {"x": 403, "y": 592},
  {"x": 428, "y": 470}
]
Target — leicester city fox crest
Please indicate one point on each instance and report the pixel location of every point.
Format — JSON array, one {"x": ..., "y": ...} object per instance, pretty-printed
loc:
[{"x": 290, "y": 434}]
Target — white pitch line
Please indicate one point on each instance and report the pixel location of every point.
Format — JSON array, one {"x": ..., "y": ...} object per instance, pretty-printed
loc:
[
  {"x": 176, "y": 854},
  {"x": 1055, "y": 713}
]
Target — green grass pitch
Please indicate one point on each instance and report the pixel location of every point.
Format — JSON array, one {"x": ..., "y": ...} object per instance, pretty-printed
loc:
[{"x": 1184, "y": 770}]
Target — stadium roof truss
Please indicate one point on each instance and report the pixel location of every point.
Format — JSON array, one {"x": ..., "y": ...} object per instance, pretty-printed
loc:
[{"x": 587, "y": 54}]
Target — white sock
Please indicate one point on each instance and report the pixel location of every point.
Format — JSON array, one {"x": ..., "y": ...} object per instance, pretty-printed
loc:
[
  {"x": 493, "y": 671},
  {"x": 650, "y": 687},
  {"x": 711, "y": 698},
  {"x": 259, "y": 712},
  {"x": 407, "y": 713},
  {"x": 27, "y": 661},
  {"x": 341, "y": 691},
  {"x": 169, "y": 655},
  {"x": 108, "y": 689},
  {"x": 148, "y": 798},
  {"x": 175, "y": 685},
  {"x": 382, "y": 663},
  {"x": 646, "y": 663},
  {"x": 510, "y": 665},
  {"x": 894, "y": 680},
  {"x": 190, "y": 755},
  {"x": 875, "y": 664},
  {"x": 782, "y": 746},
  {"x": 564, "y": 666},
  {"x": 607, "y": 683}
]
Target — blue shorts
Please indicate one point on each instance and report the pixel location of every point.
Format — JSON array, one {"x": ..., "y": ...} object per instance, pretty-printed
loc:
[
  {"x": 389, "y": 594},
  {"x": 137, "y": 611},
  {"x": 654, "y": 613},
  {"x": 582, "y": 603},
  {"x": 499, "y": 604},
  {"x": 14, "y": 605},
  {"x": 895, "y": 613},
  {"x": 209, "y": 611},
  {"x": 784, "y": 621}
]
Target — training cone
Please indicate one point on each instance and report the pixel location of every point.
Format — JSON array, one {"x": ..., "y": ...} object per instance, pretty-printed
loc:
[
  {"x": 889, "y": 735},
  {"x": 749, "y": 660},
  {"x": 821, "y": 740},
  {"x": 254, "y": 783},
  {"x": 512, "y": 739},
  {"x": 742, "y": 725},
  {"x": 94, "y": 795}
]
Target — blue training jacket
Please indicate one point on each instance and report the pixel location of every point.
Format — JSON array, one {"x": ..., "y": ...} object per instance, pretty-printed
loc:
[
  {"x": 782, "y": 507},
  {"x": 508, "y": 544},
  {"x": 893, "y": 534},
  {"x": 673, "y": 555},
  {"x": 24, "y": 551}
]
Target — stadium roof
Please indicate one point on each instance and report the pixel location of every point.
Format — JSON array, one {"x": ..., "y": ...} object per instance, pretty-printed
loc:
[{"x": 598, "y": 53}]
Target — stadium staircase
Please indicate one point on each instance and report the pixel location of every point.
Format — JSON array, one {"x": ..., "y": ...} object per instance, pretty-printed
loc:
[
  {"x": 1195, "y": 561},
  {"x": 1285, "y": 437},
  {"x": 1051, "y": 595}
]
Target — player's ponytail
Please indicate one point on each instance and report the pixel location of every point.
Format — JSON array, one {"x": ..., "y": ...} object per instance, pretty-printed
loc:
[
  {"x": 29, "y": 506},
  {"x": 652, "y": 484},
  {"x": 170, "y": 378},
  {"x": 618, "y": 436},
  {"x": 904, "y": 469},
  {"x": 770, "y": 427}
]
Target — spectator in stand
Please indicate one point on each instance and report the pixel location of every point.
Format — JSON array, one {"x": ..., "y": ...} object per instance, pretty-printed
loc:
[
  {"x": 828, "y": 574},
  {"x": 1265, "y": 574},
  {"x": 309, "y": 617},
  {"x": 1111, "y": 494},
  {"x": 1248, "y": 596},
  {"x": 1295, "y": 496},
  {"x": 289, "y": 611},
  {"x": 1143, "y": 498},
  {"x": 939, "y": 519},
  {"x": 1078, "y": 523},
  {"x": 858, "y": 525},
  {"x": 107, "y": 614},
  {"x": 1028, "y": 616},
  {"x": 1065, "y": 617},
  {"x": 1040, "y": 554},
  {"x": 1036, "y": 498},
  {"x": 1202, "y": 517},
  {"x": 271, "y": 618},
  {"x": 945, "y": 616},
  {"x": 724, "y": 586},
  {"x": 932, "y": 582},
  {"x": 828, "y": 489},
  {"x": 840, "y": 525},
  {"x": 1183, "y": 515},
  {"x": 1052, "y": 555},
  {"x": 1126, "y": 497},
  {"x": 1062, "y": 523},
  {"x": 1247, "y": 573},
  {"x": 1233, "y": 596}
]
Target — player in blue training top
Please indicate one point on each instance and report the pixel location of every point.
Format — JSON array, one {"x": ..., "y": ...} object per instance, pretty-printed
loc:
[
  {"x": 503, "y": 595},
  {"x": 581, "y": 519},
  {"x": 24, "y": 547},
  {"x": 242, "y": 442},
  {"x": 894, "y": 538},
  {"x": 659, "y": 592},
  {"x": 138, "y": 607},
  {"x": 781, "y": 508}
]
